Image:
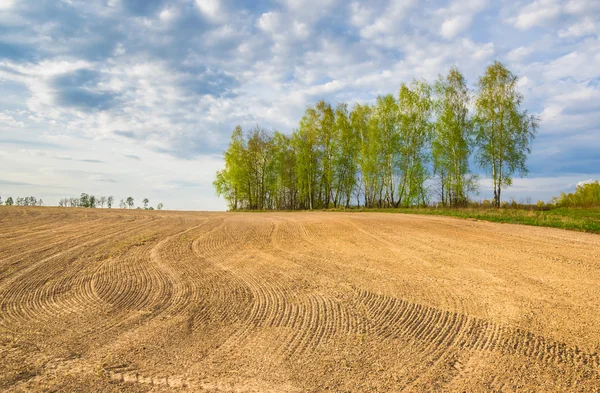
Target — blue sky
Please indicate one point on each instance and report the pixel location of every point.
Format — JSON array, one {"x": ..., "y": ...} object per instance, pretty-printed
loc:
[{"x": 139, "y": 97}]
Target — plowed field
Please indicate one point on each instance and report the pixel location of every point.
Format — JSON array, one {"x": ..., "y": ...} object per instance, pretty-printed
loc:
[{"x": 115, "y": 300}]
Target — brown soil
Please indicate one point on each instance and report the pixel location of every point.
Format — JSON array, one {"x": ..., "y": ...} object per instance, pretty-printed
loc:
[{"x": 114, "y": 300}]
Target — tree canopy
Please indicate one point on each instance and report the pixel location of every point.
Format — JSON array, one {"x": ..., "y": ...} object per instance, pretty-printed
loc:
[{"x": 401, "y": 150}]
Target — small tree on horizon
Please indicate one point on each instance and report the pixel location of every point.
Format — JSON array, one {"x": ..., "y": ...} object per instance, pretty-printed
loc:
[
  {"x": 145, "y": 201},
  {"x": 130, "y": 202},
  {"x": 110, "y": 201}
]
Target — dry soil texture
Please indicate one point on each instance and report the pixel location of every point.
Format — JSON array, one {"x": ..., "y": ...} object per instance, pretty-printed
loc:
[{"x": 114, "y": 300}]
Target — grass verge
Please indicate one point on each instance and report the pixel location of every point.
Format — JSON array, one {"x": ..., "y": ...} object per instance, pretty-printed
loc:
[{"x": 575, "y": 219}]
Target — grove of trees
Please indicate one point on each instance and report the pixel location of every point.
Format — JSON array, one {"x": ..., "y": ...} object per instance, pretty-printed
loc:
[
  {"x": 400, "y": 151},
  {"x": 585, "y": 195}
]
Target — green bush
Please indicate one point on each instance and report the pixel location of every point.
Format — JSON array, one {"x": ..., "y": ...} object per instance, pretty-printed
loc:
[{"x": 585, "y": 195}]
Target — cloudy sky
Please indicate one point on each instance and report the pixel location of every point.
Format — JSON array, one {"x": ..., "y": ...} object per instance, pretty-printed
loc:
[{"x": 139, "y": 97}]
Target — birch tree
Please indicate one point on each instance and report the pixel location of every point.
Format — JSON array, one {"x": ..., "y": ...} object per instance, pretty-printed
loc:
[
  {"x": 504, "y": 132},
  {"x": 453, "y": 139},
  {"x": 306, "y": 144},
  {"x": 345, "y": 157},
  {"x": 415, "y": 109}
]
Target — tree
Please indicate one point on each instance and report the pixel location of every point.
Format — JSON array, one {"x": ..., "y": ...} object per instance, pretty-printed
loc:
[
  {"x": 102, "y": 201},
  {"x": 453, "y": 139},
  {"x": 386, "y": 136},
  {"x": 345, "y": 157},
  {"x": 40, "y": 202},
  {"x": 327, "y": 146},
  {"x": 0, "y": 200},
  {"x": 84, "y": 200},
  {"x": 130, "y": 202},
  {"x": 415, "y": 109},
  {"x": 30, "y": 201},
  {"x": 232, "y": 182},
  {"x": 145, "y": 202},
  {"x": 305, "y": 142},
  {"x": 284, "y": 167},
  {"x": 122, "y": 204},
  {"x": 504, "y": 132},
  {"x": 159, "y": 206},
  {"x": 360, "y": 119},
  {"x": 109, "y": 201},
  {"x": 9, "y": 201},
  {"x": 261, "y": 179},
  {"x": 586, "y": 195}
]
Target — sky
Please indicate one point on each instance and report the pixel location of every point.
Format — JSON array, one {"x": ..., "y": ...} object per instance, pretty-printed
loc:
[{"x": 139, "y": 97}]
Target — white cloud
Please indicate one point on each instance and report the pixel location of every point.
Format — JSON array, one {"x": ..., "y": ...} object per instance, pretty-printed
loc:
[
  {"x": 210, "y": 8},
  {"x": 582, "y": 7},
  {"x": 7, "y": 119},
  {"x": 584, "y": 182},
  {"x": 6, "y": 4},
  {"x": 576, "y": 64},
  {"x": 269, "y": 22},
  {"x": 458, "y": 17},
  {"x": 168, "y": 15},
  {"x": 520, "y": 53},
  {"x": 455, "y": 25},
  {"x": 580, "y": 28},
  {"x": 389, "y": 20},
  {"x": 283, "y": 29},
  {"x": 537, "y": 13}
]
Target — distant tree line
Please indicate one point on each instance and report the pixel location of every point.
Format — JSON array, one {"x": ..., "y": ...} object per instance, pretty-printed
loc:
[
  {"x": 20, "y": 201},
  {"x": 91, "y": 201},
  {"x": 84, "y": 200},
  {"x": 400, "y": 151}
]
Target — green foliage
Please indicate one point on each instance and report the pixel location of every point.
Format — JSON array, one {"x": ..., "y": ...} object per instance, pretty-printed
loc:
[
  {"x": 345, "y": 160},
  {"x": 249, "y": 178},
  {"x": 503, "y": 131},
  {"x": 84, "y": 200},
  {"x": 585, "y": 195},
  {"x": 384, "y": 154},
  {"x": 453, "y": 140},
  {"x": 9, "y": 201},
  {"x": 416, "y": 107}
]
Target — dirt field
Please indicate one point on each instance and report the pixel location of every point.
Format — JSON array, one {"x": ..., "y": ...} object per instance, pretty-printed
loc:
[{"x": 99, "y": 300}]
